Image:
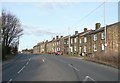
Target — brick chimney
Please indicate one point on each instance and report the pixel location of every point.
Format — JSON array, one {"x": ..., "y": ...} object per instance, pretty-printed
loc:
[
  {"x": 53, "y": 38},
  {"x": 61, "y": 36},
  {"x": 76, "y": 32},
  {"x": 97, "y": 26},
  {"x": 85, "y": 29},
  {"x": 57, "y": 37}
]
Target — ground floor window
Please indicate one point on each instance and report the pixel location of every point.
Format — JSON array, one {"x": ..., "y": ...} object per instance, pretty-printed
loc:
[
  {"x": 95, "y": 47},
  {"x": 80, "y": 49},
  {"x": 103, "y": 47},
  {"x": 75, "y": 48},
  {"x": 85, "y": 48}
]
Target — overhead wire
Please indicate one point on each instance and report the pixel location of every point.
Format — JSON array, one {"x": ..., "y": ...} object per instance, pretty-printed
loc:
[{"x": 91, "y": 12}]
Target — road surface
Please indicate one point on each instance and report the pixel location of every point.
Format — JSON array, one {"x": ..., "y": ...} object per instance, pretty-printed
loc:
[{"x": 56, "y": 68}]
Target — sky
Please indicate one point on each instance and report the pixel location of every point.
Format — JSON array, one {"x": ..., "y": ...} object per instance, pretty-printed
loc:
[{"x": 42, "y": 20}]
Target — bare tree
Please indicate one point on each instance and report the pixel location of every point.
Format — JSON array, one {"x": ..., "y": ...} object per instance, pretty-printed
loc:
[{"x": 11, "y": 31}]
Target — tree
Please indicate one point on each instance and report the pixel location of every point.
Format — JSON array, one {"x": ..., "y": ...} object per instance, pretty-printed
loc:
[{"x": 11, "y": 31}]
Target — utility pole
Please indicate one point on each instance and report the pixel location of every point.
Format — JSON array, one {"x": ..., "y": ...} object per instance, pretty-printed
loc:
[
  {"x": 69, "y": 40},
  {"x": 105, "y": 29}
]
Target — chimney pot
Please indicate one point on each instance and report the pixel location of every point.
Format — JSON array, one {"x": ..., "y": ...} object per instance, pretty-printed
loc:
[
  {"x": 85, "y": 29},
  {"x": 76, "y": 32},
  {"x": 61, "y": 36},
  {"x": 97, "y": 25},
  {"x": 57, "y": 37}
]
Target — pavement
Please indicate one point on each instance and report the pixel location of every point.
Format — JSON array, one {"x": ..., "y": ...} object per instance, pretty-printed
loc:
[{"x": 46, "y": 67}]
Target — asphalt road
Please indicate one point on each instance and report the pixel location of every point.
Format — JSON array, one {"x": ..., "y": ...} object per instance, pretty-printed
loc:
[{"x": 56, "y": 68}]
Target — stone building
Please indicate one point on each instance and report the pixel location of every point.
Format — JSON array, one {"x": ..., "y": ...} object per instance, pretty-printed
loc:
[
  {"x": 42, "y": 47},
  {"x": 89, "y": 43},
  {"x": 57, "y": 44},
  {"x": 27, "y": 51},
  {"x": 95, "y": 45},
  {"x": 35, "y": 49},
  {"x": 66, "y": 45},
  {"x": 50, "y": 46},
  {"x": 76, "y": 42}
]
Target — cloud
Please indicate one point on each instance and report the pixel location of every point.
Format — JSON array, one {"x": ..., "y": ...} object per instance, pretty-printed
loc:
[
  {"x": 54, "y": 4},
  {"x": 37, "y": 31}
]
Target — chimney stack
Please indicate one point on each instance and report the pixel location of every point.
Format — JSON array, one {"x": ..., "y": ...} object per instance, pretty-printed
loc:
[
  {"x": 53, "y": 38},
  {"x": 85, "y": 29},
  {"x": 97, "y": 25},
  {"x": 76, "y": 32},
  {"x": 61, "y": 36},
  {"x": 57, "y": 37}
]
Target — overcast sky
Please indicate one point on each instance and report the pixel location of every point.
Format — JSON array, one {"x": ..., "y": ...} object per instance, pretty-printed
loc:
[{"x": 44, "y": 20}]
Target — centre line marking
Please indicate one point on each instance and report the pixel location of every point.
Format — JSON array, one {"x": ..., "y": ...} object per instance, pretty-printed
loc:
[
  {"x": 9, "y": 81},
  {"x": 29, "y": 59},
  {"x": 43, "y": 60},
  {"x": 73, "y": 67},
  {"x": 27, "y": 63},
  {"x": 21, "y": 69}
]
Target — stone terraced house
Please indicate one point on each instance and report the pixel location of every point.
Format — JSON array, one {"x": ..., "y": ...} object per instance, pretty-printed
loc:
[{"x": 89, "y": 43}]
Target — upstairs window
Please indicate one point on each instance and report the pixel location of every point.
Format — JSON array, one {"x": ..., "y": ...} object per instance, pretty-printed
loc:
[
  {"x": 80, "y": 41},
  {"x": 71, "y": 41},
  {"x": 75, "y": 40},
  {"x": 95, "y": 37},
  {"x": 85, "y": 39},
  {"x": 103, "y": 35}
]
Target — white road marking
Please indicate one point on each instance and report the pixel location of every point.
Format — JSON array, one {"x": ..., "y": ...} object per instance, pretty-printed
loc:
[
  {"x": 21, "y": 69},
  {"x": 27, "y": 63},
  {"x": 29, "y": 59},
  {"x": 70, "y": 65},
  {"x": 88, "y": 77},
  {"x": 73, "y": 67},
  {"x": 9, "y": 81},
  {"x": 43, "y": 60}
]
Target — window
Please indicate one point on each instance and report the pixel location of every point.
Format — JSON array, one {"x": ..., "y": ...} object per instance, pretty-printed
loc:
[
  {"x": 95, "y": 37},
  {"x": 75, "y": 48},
  {"x": 80, "y": 49},
  {"x": 67, "y": 42},
  {"x": 75, "y": 40},
  {"x": 95, "y": 47},
  {"x": 64, "y": 42},
  {"x": 71, "y": 41},
  {"x": 71, "y": 49},
  {"x": 85, "y": 48},
  {"x": 80, "y": 41},
  {"x": 85, "y": 39},
  {"x": 57, "y": 43},
  {"x": 103, "y": 47},
  {"x": 102, "y": 35}
]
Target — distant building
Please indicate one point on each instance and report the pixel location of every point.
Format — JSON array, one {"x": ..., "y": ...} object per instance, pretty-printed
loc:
[{"x": 27, "y": 51}]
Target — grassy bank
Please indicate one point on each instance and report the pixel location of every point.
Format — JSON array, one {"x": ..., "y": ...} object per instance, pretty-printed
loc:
[{"x": 109, "y": 61}]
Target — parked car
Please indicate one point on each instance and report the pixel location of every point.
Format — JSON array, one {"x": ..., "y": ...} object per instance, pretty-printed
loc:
[
  {"x": 49, "y": 52},
  {"x": 58, "y": 53}
]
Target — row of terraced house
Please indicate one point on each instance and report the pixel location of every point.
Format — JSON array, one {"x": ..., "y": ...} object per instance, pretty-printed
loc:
[{"x": 91, "y": 43}]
